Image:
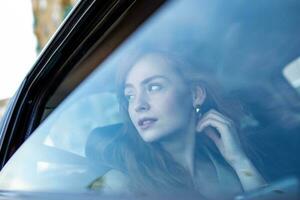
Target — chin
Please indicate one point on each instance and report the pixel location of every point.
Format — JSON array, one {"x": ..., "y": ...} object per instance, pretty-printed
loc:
[{"x": 149, "y": 136}]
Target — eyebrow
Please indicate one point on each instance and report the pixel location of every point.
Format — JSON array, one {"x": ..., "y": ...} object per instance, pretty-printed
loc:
[{"x": 149, "y": 79}]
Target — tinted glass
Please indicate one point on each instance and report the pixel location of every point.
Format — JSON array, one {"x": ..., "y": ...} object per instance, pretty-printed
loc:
[{"x": 202, "y": 99}]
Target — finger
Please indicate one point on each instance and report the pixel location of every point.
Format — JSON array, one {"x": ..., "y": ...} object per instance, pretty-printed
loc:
[
  {"x": 224, "y": 125},
  {"x": 218, "y": 116},
  {"x": 225, "y": 133},
  {"x": 213, "y": 121},
  {"x": 214, "y": 137}
]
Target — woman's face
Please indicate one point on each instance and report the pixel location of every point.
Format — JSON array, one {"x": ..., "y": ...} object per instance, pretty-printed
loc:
[{"x": 159, "y": 101}]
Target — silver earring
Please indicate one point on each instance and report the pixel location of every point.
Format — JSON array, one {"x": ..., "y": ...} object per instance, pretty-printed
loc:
[{"x": 197, "y": 109}]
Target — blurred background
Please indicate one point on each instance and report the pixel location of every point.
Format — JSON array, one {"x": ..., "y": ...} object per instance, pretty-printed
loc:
[{"x": 26, "y": 27}]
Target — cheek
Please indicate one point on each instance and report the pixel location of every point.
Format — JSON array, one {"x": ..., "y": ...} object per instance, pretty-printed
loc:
[
  {"x": 131, "y": 114},
  {"x": 176, "y": 104}
]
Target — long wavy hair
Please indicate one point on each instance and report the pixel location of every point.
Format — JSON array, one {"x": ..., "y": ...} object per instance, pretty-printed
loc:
[{"x": 149, "y": 166}]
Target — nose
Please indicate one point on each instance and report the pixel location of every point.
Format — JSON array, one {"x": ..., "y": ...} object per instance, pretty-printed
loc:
[{"x": 142, "y": 104}]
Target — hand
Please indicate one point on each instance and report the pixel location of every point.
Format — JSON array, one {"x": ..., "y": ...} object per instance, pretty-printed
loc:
[{"x": 222, "y": 132}]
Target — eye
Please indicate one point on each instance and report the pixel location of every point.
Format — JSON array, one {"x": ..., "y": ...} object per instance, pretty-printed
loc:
[{"x": 154, "y": 87}]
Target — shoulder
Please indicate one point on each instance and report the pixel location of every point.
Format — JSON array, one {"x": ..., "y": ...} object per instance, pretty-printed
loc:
[{"x": 115, "y": 182}]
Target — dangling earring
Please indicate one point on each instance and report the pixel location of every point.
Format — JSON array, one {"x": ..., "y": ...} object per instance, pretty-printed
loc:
[{"x": 197, "y": 109}]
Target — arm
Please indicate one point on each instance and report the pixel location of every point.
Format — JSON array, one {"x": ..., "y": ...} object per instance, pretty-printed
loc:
[{"x": 248, "y": 174}]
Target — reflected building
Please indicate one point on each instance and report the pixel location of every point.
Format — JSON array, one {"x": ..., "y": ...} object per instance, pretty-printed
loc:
[
  {"x": 3, "y": 105},
  {"x": 48, "y": 15}
]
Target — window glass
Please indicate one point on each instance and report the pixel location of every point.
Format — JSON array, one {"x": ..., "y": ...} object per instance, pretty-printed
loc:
[{"x": 195, "y": 101}]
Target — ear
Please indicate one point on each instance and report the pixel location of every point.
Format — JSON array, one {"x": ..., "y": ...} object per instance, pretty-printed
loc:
[{"x": 199, "y": 95}]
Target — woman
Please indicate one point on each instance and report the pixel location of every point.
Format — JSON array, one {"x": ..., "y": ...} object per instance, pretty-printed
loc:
[{"x": 178, "y": 136}]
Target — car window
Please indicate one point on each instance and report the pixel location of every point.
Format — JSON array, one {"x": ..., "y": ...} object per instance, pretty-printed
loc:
[{"x": 198, "y": 100}]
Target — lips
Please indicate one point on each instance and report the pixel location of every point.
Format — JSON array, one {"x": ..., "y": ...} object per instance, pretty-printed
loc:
[{"x": 146, "y": 123}]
